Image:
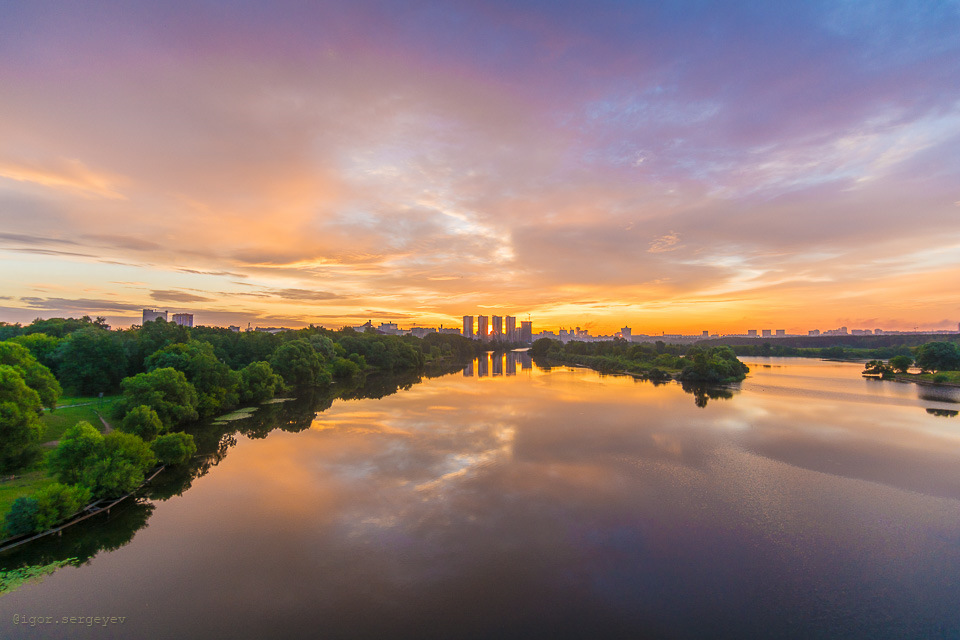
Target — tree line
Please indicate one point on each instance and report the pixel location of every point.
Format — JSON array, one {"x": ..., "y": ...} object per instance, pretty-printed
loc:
[{"x": 167, "y": 376}]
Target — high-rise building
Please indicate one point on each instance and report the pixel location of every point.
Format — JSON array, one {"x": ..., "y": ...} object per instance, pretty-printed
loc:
[
  {"x": 482, "y": 328},
  {"x": 626, "y": 333},
  {"x": 468, "y": 326},
  {"x": 752, "y": 333},
  {"x": 766, "y": 333},
  {"x": 781, "y": 333},
  {"x": 183, "y": 319},
  {"x": 526, "y": 332},
  {"x": 497, "y": 322},
  {"x": 705, "y": 334},
  {"x": 512, "y": 328},
  {"x": 149, "y": 315}
]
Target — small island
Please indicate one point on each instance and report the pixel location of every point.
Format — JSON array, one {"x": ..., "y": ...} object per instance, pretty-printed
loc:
[
  {"x": 936, "y": 363},
  {"x": 657, "y": 362}
]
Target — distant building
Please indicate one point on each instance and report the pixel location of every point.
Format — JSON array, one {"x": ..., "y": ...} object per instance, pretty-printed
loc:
[
  {"x": 813, "y": 332},
  {"x": 705, "y": 334},
  {"x": 449, "y": 330},
  {"x": 512, "y": 328},
  {"x": 752, "y": 333},
  {"x": 526, "y": 332},
  {"x": 419, "y": 332},
  {"x": 468, "y": 326},
  {"x": 766, "y": 333},
  {"x": 235, "y": 329},
  {"x": 626, "y": 333},
  {"x": 482, "y": 328},
  {"x": 497, "y": 322},
  {"x": 781, "y": 333},
  {"x": 183, "y": 319},
  {"x": 149, "y": 315},
  {"x": 389, "y": 328}
]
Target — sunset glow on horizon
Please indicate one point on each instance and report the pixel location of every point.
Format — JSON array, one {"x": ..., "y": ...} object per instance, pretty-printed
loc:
[{"x": 672, "y": 167}]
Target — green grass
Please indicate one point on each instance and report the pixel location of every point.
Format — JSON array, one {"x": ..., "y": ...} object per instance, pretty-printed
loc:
[
  {"x": 949, "y": 377},
  {"x": 26, "y": 483},
  {"x": 59, "y": 420}
]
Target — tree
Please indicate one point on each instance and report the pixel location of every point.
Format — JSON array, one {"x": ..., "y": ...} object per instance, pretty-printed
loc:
[
  {"x": 22, "y": 517},
  {"x": 297, "y": 363},
  {"x": 901, "y": 364},
  {"x": 35, "y": 375},
  {"x": 938, "y": 356},
  {"x": 216, "y": 384},
  {"x": 78, "y": 448},
  {"x": 119, "y": 465},
  {"x": 142, "y": 421},
  {"x": 56, "y": 502},
  {"x": 19, "y": 417},
  {"x": 174, "y": 448},
  {"x": 41, "y": 346},
  {"x": 258, "y": 382},
  {"x": 716, "y": 364},
  {"x": 166, "y": 391},
  {"x": 91, "y": 360}
]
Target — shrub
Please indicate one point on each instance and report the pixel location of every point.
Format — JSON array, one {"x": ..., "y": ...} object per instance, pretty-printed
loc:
[
  {"x": 174, "y": 448},
  {"x": 144, "y": 422}
]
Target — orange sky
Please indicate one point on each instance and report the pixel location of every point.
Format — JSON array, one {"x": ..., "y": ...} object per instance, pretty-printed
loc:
[{"x": 285, "y": 165}]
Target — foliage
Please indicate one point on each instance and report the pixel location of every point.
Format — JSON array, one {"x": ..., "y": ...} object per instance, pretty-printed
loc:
[
  {"x": 56, "y": 502},
  {"x": 41, "y": 346},
  {"x": 174, "y": 448},
  {"x": 714, "y": 365},
  {"x": 258, "y": 382},
  {"x": 78, "y": 446},
  {"x": 216, "y": 384},
  {"x": 901, "y": 364},
  {"x": 19, "y": 417},
  {"x": 165, "y": 390},
  {"x": 118, "y": 466},
  {"x": 938, "y": 356},
  {"x": 35, "y": 375},
  {"x": 144, "y": 341},
  {"x": 62, "y": 327},
  {"x": 91, "y": 360},
  {"x": 142, "y": 421},
  {"x": 299, "y": 364},
  {"x": 22, "y": 517},
  {"x": 13, "y": 579}
]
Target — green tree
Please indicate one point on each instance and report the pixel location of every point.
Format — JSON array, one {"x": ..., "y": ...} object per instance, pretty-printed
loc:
[
  {"x": 938, "y": 356},
  {"x": 41, "y": 346},
  {"x": 20, "y": 409},
  {"x": 298, "y": 363},
  {"x": 216, "y": 384},
  {"x": 91, "y": 360},
  {"x": 258, "y": 382},
  {"x": 166, "y": 391},
  {"x": 901, "y": 364},
  {"x": 78, "y": 448},
  {"x": 119, "y": 465},
  {"x": 56, "y": 502},
  {"x": 174, "y": 448},
  {"x": 22, "y": 517},
  {"x": 142, "y": 421},
  {"x": 35, "y": 375}
]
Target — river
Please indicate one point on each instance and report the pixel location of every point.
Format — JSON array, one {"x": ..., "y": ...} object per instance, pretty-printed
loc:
[{"x": 511, "y": 501}]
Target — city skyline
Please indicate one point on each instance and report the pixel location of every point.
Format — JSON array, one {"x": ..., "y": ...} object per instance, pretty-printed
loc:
[{"x": 675, "y": 166}]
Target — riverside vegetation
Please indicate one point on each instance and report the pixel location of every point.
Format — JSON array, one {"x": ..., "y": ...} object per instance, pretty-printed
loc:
[
  {"x": 659, "y": 361},
  {"x": 938, "y": 363},
  {"x": 157, "y": 378}
]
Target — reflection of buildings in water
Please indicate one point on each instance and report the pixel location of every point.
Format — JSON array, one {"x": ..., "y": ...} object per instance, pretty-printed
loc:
[
  {"x": 483, "y": 365},
  {"x": 526, "y": 362},
  {"x": 468, "y": 370},
  {"x": 512, "y": 363},
  {"x": 498, "y": 364}
]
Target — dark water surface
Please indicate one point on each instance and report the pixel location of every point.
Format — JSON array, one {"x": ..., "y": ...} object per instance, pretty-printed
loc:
[{"x": 506, "y": 501}]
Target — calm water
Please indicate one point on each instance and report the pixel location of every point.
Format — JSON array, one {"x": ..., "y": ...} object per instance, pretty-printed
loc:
[{"x": 508, "y": 501}]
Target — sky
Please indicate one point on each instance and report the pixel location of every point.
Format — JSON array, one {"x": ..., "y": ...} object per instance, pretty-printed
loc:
[{"x": 669, "y": 166}]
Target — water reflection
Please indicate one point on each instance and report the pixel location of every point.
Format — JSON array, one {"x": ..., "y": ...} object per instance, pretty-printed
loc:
[{"x": 552, "y": 503}]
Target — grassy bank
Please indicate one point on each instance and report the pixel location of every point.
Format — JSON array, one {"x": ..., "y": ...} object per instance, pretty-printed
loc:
[
  {"x": 71, "y": 411},
  {"x": 25, "y": 484}
]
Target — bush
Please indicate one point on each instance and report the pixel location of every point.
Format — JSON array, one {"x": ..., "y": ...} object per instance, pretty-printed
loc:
[
  {"x": 174, "y": 448},
  {"x": 144, "y": 422},
  {"x": 57, "y": 502},
  {"x": 22, "y": 517}
]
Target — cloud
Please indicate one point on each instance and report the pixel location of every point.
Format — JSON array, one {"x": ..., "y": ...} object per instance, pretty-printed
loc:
[
  {"x": 168, "y": 295},
  {"x": 665, "y": 243},
  {"x": 68, "y": 174},
  {"x": 124, "y": 242},
  {"x": 306, "y": 295},
  {"x": 70, "y": 306}
]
